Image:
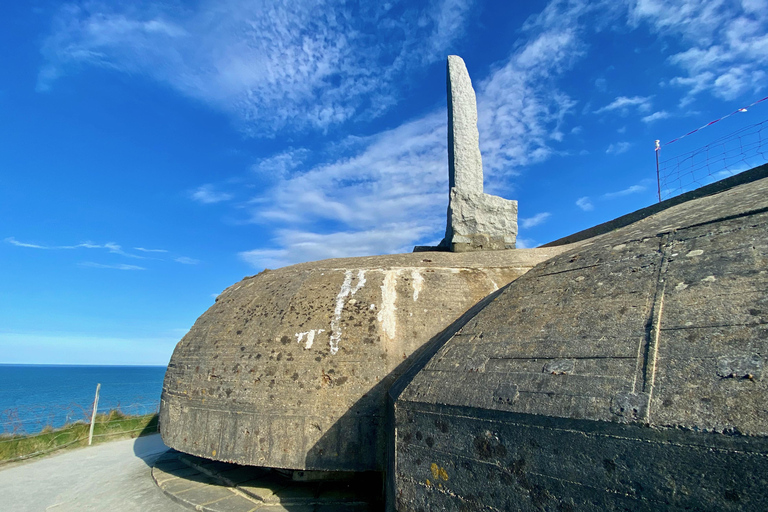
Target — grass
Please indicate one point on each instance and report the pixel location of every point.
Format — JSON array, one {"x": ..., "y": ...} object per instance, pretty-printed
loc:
[{"x": 107, "y": 427}]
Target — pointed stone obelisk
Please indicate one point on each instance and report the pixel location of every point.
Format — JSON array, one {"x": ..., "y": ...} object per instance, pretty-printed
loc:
[
  {"x": 476, "y": 221},
  {"x": 465, "y": 164}
]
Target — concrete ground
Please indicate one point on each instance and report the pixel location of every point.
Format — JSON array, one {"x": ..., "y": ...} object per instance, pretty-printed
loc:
[{"x": 107, "y": 477}]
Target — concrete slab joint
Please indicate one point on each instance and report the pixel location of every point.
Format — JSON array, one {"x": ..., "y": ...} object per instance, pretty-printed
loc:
[{"x": 476, "y": 221}]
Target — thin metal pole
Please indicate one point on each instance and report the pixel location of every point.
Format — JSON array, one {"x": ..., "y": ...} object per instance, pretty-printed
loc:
[
  {"x": 93, "y": 415},
  {"x": 658, "y": 179}
]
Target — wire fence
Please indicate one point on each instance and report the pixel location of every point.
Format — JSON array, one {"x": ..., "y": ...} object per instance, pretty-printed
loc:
[
  {"x": 31, "y": 431},
  {"x": 31, "y": 419},
  {"x": 730, "y": 154}
]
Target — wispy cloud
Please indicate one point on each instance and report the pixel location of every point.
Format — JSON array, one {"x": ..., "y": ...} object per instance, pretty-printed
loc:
[
  {"x": 184, "y": 260},
  {"x": 618, "y": 148},
  {"x": 15, "y": 242},
  {"x": 520, "y": 108},
  {"x": 302, "y": 63},
  {"x": 537, "y": 219},
  {"x": 662, "y": 114},
  {"x": 142, "y": 249},
  {"x": 281, "y": 164},
  {"x": 634, "y": 189},
  {"x": 111, "y": 248},
  {"x": 585, "y": 204},
  {"x": 297, "y": 246},
  {"x": 727, "y": 42},
  {"x": 206, "y": 194},
  {"x": 389, "y": 191},
  {"x": 623, "y": 103},
  {"x": 120, "y": 266}
]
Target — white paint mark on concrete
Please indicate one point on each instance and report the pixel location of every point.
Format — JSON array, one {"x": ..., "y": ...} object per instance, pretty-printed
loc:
[
  {"x": 418, "y": 283},
  {"x": 387, "y": 316},
  {"x": 310, "y": 337},
  {"x": 346, "y": 290},
  {"x": 360, "y": 281},
  {"x": 697, "y": 252}
]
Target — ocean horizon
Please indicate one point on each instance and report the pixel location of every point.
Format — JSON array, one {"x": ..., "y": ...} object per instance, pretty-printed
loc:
[{"x": 35, "y": 396}]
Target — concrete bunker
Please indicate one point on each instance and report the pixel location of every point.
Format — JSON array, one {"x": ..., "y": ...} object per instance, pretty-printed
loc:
[
  {"x": 593, "y": 374},
  {"x": 625, "y": 373}
]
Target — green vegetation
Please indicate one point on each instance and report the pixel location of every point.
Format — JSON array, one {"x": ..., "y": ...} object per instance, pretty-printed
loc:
[{"x": 110, "y": 426}]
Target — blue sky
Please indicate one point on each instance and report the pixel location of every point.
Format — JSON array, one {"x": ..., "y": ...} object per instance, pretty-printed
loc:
[{"x": 153, "y": 153}]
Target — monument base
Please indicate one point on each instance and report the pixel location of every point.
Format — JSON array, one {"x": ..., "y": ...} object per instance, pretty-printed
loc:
[{"x": 480, "y": 222}]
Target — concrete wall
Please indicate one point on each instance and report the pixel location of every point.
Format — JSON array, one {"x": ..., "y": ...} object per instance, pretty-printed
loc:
[{"x": 624, "y": 373}]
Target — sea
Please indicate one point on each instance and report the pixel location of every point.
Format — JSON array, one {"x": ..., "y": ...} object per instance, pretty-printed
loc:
[{"x": 33, "y": 397}]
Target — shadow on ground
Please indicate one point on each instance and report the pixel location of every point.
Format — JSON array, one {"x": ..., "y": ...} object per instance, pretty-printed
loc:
[
  {"x": 213, "y": 486},
  {"x": 148, "y": 445}
]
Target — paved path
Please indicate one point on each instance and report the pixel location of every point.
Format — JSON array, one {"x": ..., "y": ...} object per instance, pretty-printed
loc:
[{"x": 107, "y": 477}]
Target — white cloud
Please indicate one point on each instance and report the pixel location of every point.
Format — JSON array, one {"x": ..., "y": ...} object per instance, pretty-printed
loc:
[
  {"x": 206, "y": 194},
  {"x": 585, "y": 204},
  {"x": 270, "y": 64},
  {"x": 634, "y": 189},
  {"x": 525, "y": 243},
  {"x": 390, "y": 193},
  {"x": 618, "y": 148},
  {"x": 727, "y": 43},
  {"x": 120, "y": 266},
  {"x": 623, "y": 103},
  {"x": 520, "y": 110},
  {"x": 281, "y": 164},
  {"x": 109, "y": 246},
  {"x": 298, "y": 246},
  {"x": 142, "y": 249},
  {"x": 11, "y": 240},
  {"x": 186, "y": 261},
  {"x": 661, "y": 114},
  {"x": 537, "y": 219}
]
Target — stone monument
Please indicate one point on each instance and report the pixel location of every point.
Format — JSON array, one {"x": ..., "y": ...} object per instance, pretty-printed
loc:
[{"x": 476, "y": 221}]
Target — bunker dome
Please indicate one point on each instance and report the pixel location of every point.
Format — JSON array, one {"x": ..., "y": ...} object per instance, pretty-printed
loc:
[{"x": 289, "y": 368}]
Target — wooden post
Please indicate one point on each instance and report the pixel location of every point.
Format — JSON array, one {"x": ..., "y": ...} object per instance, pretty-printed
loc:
[{"x": 93, "y": 416}]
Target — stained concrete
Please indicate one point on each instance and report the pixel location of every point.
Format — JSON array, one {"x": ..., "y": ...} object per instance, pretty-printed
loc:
[
  {"x": 624, "y": 373},
  {"x": 289, "y": 368}
]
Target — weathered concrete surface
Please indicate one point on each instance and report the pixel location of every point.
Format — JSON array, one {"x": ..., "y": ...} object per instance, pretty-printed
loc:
[
  {"x": 625, "y": 373},
  {"x": 106, "y": 477},
  {"x": 289, "y": 368},
  {"x": 476, "y": 221}
]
